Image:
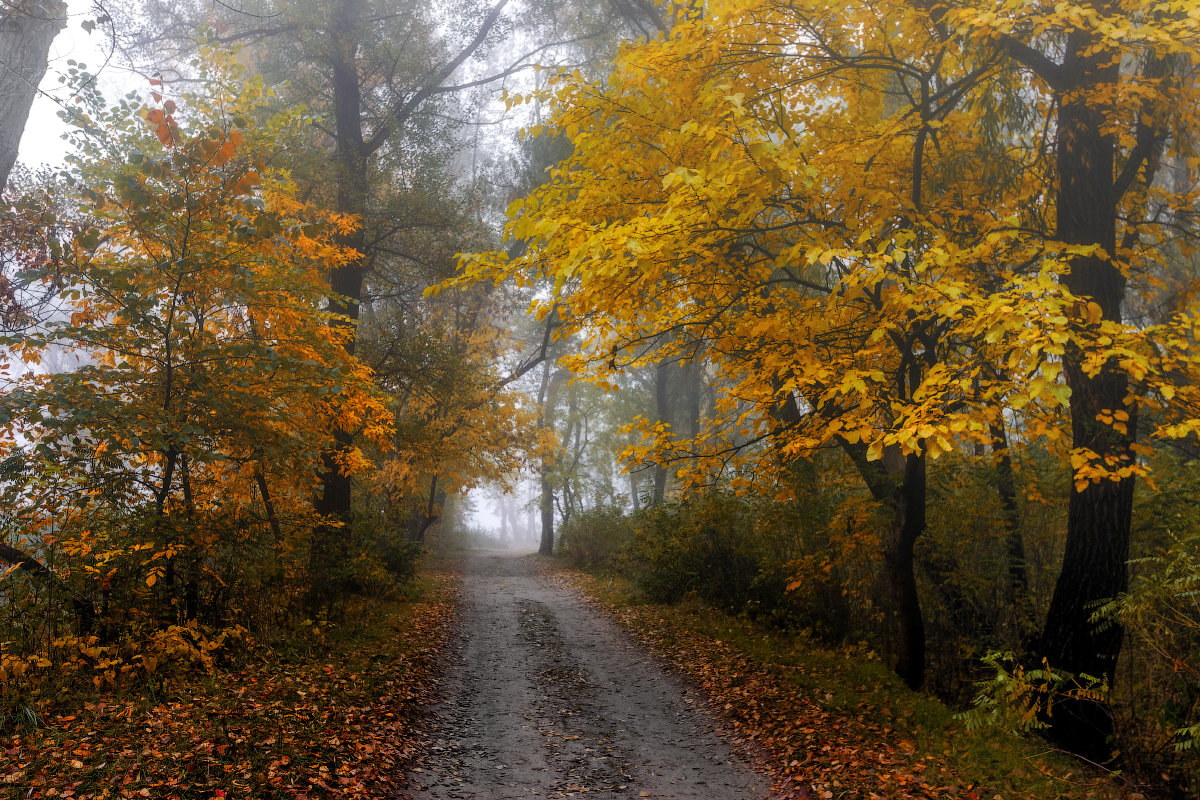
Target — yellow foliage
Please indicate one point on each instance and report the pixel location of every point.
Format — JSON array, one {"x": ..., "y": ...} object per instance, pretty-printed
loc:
[{"x": 864, "y": 236}]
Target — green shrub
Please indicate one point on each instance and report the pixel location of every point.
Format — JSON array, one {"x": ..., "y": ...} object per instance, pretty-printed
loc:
[
  {"x": 385, "y": 558},
  {"x": 1159, "y": 719},
  {"x": 731, "y": 552},
  {"x": 595, "y": 538}
]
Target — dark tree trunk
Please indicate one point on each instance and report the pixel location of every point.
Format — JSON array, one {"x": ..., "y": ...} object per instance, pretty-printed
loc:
[
  {"x": 662, "y": 407},
  {"x": 420, "y": 521},
  {"x": 899, "y": 483},
  {"x": 331, "y": 539},
  {"x": 1014, "y": 542},
  {"x": 170, "y": 459},
  {"x": 693, "y": 393},
  {"x": 27, "y": 28},
  {"x": 660, "y": 485},
  {"x": 547, "y": 397},
  {"x": 1099, "y": 516},
  {"x": 330, "y": 547},
  {"x": 546, "y": 546},
  {"x": 195, "y": 556},
  {"x": 260, "y": 477},
  {"x": 908, "y": 523},
  {"x": 346, "y": 280}
]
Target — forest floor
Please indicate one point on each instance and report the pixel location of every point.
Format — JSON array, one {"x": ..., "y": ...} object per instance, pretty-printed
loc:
[
  {"x": 321, "y": 715},
  {"x": 548, "y": 698}
]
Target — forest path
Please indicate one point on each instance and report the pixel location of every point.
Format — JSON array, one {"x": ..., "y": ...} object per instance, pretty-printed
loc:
[{"x": 547, "y": 698}]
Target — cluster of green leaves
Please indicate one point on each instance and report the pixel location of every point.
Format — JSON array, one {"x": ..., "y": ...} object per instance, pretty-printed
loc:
[
  {"x": 733, "y": 553},
  {"x": 596, "y": 538}
]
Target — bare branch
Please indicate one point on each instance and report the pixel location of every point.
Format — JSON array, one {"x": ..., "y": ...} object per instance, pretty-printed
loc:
[{"x": 403, "y": 110}]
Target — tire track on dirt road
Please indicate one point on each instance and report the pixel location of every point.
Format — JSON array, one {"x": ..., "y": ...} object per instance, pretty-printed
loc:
[{"x": 546, "y": 698}]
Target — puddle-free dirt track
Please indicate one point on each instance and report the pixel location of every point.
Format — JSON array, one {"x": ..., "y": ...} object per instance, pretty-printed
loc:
[{"x": 547, "y": 698}]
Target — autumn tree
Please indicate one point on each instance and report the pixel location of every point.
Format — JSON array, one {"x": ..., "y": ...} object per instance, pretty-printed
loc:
[
  {"x": 754, "y": 281},
  {"x": 891, "y": 226},
  {"x": 460, "y": 421},
  {"x": 27, "y": 31},
  {"x": 180, "y": 448},
  {"x": 1116, "y": 75},
  {"x": 373, "y": 73}
]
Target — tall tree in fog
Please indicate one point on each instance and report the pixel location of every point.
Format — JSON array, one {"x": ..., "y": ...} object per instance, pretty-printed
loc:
[
  {"x": 27, "y": 28},
  {"x": 375, "y": 73}
]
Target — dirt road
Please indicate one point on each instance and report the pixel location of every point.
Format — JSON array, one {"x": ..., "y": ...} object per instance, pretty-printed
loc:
[{"x": 548, "y": 699}]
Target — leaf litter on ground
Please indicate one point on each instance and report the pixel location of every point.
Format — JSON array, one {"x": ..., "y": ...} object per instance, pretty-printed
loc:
[{"x": 335, "y": 726}]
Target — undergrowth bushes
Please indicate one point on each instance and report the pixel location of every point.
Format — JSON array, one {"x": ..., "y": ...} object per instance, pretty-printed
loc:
[
  {"x": 109, "y": 612},
  {"x": 735, "y": 553},
  {"x": 597, "y": 537}
]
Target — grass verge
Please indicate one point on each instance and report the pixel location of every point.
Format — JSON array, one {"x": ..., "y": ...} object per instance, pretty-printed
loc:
[
  {"x": 326, "y": 716},
  {"x": 837, "y": 723}
]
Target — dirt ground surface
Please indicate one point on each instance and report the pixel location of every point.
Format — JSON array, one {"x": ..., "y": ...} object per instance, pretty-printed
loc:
[{"x": 546, "y": 698}]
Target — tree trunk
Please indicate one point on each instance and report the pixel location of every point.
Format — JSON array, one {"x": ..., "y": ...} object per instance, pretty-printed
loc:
[
  {"x": 547, "y": 396},
  {"x": 330, "y": 539},
  {"x": 1014, "y": 543},
  {"x": 260, "y": 478},
  {"x": 693, "y": 394},
  {"x": 330, "y": 547},
  {"x": 546, "y": 546},
  {"x": 662, "y": 407},
  {"x": 195, "y": 557},
  {"x": 27, "y": 29},
  {"x": 419, "y": 522},
  {"x": 908, "y": 523},
  {"x": 1099, "y": 517},
  {"x": 899, "y": 483},
  {"x": 570, "y": 485},
  {"x": 503, "y": 508}
]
